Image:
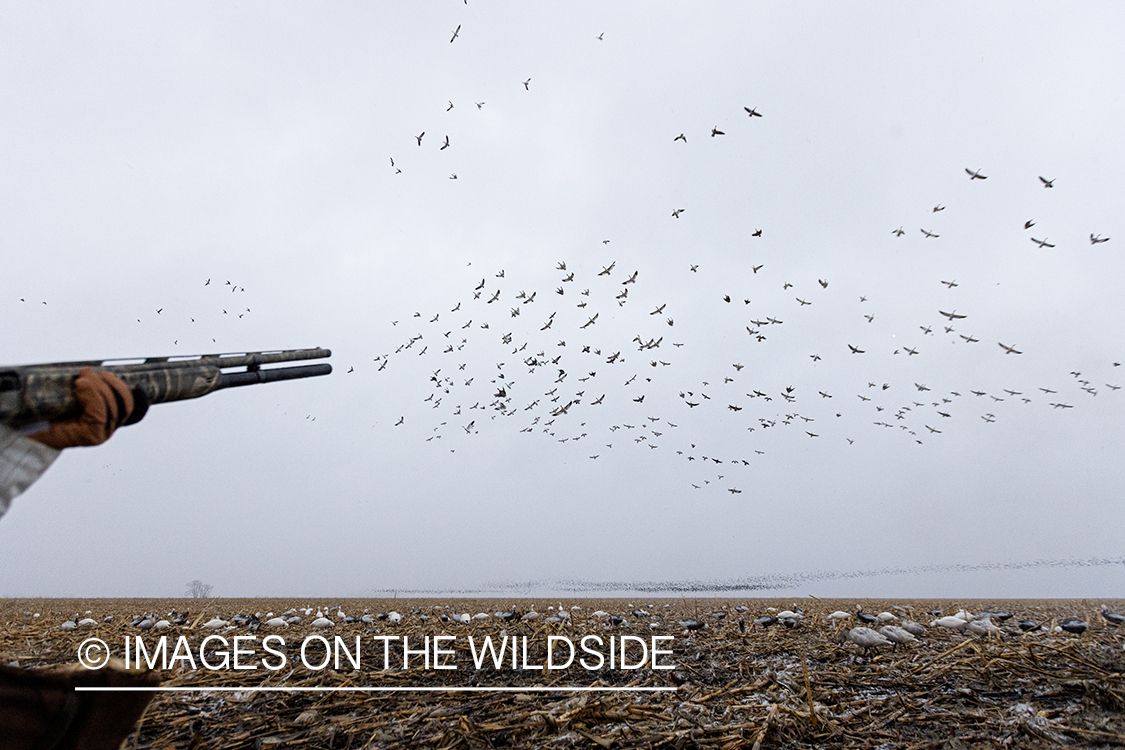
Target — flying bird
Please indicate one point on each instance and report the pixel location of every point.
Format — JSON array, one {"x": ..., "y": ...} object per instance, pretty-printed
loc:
[
  {"x": 419, "y": 137},
  {"x": 975, "y": 175},
  {"x": 939, "y": 207},
  {"x": 856, "y": 350},
  {"x": 1046, "y": 183},
  {"x": 898, "y": 232},
  {"x": 1042, "y": 243},
  {"x": 930, "y": 234},
  {"x": 716, "y": 131},
  {"x": 527, "y": 84},
  {"x": 680, "y": 137},
  {"x": 455, "y": 33},
  {"x": 752, "y": 112},
  {"x": 445, "y": 145},
  {"x": 951, "y": 315},
  {"x": 676, "y": 212},
  {"x": 1095, "y": 239},
  {"x": 1009, "y": 349}
]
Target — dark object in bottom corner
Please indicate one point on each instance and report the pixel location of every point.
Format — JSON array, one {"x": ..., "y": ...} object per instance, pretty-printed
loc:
[{"x": 40, "y": 709}]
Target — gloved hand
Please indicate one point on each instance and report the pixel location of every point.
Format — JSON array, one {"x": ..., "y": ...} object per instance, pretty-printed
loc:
[{"x": 107, "y": 403}]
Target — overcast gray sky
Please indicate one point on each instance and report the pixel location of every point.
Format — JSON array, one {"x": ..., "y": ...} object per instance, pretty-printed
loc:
[{"x": 146, "y": 149}]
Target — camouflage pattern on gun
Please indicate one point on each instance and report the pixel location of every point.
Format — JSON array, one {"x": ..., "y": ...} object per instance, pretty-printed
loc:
[{"x": 33, "y": 394}]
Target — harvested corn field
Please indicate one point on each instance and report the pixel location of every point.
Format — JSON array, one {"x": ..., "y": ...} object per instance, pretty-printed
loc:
[{"x": 740, "y": 672}]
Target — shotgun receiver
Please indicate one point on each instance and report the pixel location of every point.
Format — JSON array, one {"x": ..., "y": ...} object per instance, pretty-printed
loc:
[{"x": 44, "y": 393}]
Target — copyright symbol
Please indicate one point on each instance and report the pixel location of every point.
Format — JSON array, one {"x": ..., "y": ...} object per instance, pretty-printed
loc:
[{"x": 93, "y": 653}]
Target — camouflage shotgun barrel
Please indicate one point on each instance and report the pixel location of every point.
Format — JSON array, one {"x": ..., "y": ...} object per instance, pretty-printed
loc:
[{"x": 43, "y": 393}]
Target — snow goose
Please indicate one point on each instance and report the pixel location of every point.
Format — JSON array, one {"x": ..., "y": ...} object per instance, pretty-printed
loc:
[
  {"x": 866, "y": 638},
  {"x": 1112, "y": 618},
  {"x": 1072, "y": 625},
  {"x": 897, "y": 635},
  {"x": 913, "y": 628},
  {"x": 950, "y": 622}
]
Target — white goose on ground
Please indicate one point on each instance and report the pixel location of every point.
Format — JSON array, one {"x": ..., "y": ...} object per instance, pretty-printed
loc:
[
  {"x": 983, "y": 627},
  {"x": 950, "y": 622},
  {"x": 897, "y": 635},
  {"x": 913, "y": 628},
  {"x": 866, "y": 638}
]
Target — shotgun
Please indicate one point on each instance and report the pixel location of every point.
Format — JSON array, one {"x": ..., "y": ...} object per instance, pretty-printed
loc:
[{"x": 34, "y": 394}]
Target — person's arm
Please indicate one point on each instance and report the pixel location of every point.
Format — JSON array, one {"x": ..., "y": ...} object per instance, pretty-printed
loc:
[
  {"x": 22, "y": 461},
  {"x": 107, "y": 403}
]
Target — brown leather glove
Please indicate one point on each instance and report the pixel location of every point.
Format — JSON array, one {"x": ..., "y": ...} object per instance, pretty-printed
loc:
[{"x": 106, "y": 405}]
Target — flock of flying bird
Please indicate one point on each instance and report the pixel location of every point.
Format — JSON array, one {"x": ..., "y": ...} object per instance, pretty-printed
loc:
[
  {"x": 565, "y": 369},
  {"x": 571, "y": 374},
  {"x": 561, "y": 365}
]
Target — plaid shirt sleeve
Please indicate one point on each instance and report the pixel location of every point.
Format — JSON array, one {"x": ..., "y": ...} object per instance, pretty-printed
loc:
[{"x": 22, "y": 461}]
